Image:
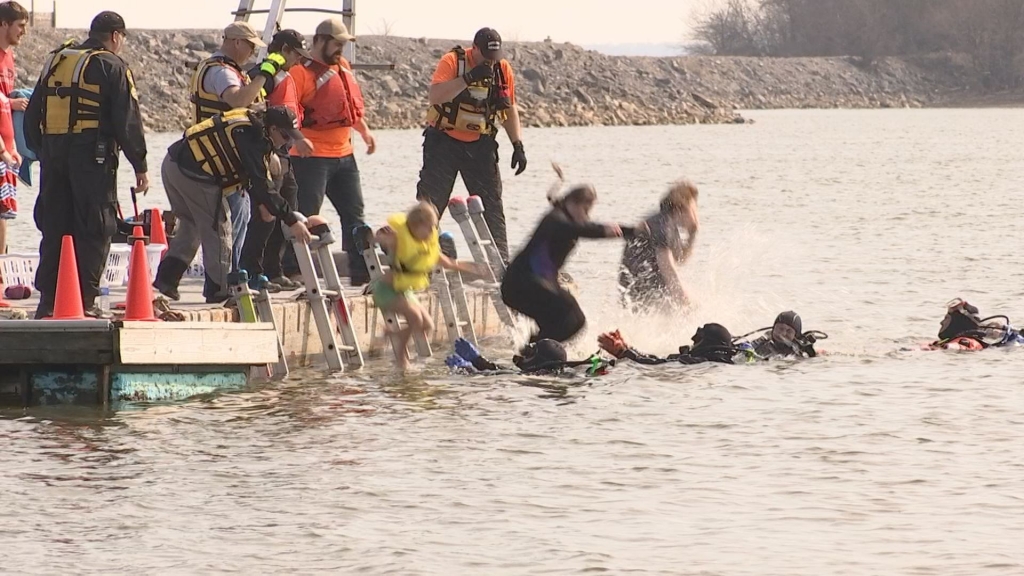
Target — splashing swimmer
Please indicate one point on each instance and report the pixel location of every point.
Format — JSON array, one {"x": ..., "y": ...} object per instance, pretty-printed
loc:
[
  {"x": 530, "y": 286},
  {"x": 649, "y": 274}
]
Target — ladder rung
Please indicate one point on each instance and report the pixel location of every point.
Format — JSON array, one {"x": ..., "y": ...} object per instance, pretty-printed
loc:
[
  {"x": 315, "y": 10},
  {"x": 344, "y": 348}
]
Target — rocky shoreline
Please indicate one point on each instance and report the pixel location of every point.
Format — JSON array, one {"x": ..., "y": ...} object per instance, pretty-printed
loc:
[{"x": 562, "y": 84}]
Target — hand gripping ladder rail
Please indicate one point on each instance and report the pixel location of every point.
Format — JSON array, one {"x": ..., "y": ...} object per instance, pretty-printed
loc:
[
  {"x": 257, "y": 308},
  {"x": 367, "y": 245},
  {"x": 451, "y": 295},
  {"x": 328, "y": 302},
  {"x": 481, "y": 246}
]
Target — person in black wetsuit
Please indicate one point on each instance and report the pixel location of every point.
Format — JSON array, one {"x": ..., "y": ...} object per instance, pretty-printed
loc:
[
  {"x": 541, "y": 357},
  {"x": 711, "y": 343},
  {"x": 785, "y": 338},
  {"x": 530, "y": 285}
]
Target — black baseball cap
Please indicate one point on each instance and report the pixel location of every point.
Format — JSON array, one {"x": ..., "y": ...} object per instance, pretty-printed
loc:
[
  {"x": 284, "y": 119},
  {"x": 291, "y": 39},
  {"x": 106, "y": 22},
  {"x": 488, "y": 41}
]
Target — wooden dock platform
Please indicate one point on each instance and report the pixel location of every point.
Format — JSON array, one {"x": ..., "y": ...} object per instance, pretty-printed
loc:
[{"x": 103, "y": 362}]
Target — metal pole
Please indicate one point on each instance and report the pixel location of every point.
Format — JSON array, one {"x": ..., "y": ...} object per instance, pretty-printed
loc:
[
  {"x": 273, "y": 19},
  {"x": 349, "y": 6}
]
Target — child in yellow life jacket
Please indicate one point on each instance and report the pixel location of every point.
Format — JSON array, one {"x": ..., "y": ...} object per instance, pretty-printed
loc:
[{"x": 411, "y": 240}]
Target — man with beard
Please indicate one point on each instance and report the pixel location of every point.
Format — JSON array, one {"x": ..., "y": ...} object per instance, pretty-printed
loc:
[{"x": 332, "y": 106}]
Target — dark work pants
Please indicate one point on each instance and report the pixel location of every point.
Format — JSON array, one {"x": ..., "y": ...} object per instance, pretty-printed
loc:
[
  {"x": 444, "y": 158},
  {"x": 77, "y": 196},
  {"x": 553, "y": 308},
  {"x": 338, "y": 180},
  {"x": 264, "y": 241}
]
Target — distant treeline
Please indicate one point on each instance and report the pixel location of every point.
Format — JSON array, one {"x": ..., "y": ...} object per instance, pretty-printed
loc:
[{"x": 991, "y": 32}]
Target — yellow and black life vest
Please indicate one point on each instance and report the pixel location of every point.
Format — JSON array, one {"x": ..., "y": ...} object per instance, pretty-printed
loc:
[
  {"x": 472, "y": 110},
  {"x": 72, "y": 105},
  {"x": 206, "y": 105},
  {"x": 212, "y": 143},
  {"x": 414, "y": 259}
]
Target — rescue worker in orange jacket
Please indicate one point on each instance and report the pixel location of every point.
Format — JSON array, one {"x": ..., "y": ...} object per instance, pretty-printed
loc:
[
  {"x": 332, "y": 107},
  {"x": 472, "y": 92}
]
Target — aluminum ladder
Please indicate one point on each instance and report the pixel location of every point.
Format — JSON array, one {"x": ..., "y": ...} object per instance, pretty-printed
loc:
[
  {"x": 367, "y": 245},
  {"x": 481, "y": 246},
  {"x": 275, "y": 14},
  {"x": 451, "y": 294},
  {"x": 328, "y": 302}
]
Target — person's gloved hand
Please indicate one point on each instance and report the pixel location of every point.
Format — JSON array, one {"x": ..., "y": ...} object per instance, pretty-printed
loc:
[
  {"x": 612, "y": 343},
  {"x": 518, "y": 157},
  {"x": 478, "y": 73},
  {"x": 269, "y": 68}
]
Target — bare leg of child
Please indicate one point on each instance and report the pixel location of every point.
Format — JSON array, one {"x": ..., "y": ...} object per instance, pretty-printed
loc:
[{"x": 414, "y": 317}]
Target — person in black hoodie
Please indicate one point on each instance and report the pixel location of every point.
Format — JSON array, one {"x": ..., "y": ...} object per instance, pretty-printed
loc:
[
  {"x": 530, "y": 286},
  {"x": 711, "y": 343}
]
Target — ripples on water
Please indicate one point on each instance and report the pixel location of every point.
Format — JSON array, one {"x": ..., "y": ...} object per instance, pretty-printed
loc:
[{"x": 869, "y": 461}]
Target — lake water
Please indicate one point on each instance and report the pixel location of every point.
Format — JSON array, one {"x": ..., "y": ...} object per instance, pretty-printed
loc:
[{"x": 872, "y": 460}]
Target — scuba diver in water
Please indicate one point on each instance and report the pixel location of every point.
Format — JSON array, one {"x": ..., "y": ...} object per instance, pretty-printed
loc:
[
  {"x": 785, "y": 338},
  {"x": 711, "y": 343},
  {"x": 963, "y": 328},
  {"x": 542, "y": 357},
  {"x": 530, "y": 286}
]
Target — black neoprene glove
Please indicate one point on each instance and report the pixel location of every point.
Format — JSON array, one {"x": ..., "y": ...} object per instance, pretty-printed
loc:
[
  {"x": 518, "y": 157},
  {"x": 478, "y": 73}
]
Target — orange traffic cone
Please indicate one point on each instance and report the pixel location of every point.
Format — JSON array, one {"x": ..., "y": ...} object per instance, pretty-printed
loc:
[
  {"x": 139, "y": 303},
  {"x": 157, "y": 234},
  {"x": 67, "y": 303}
]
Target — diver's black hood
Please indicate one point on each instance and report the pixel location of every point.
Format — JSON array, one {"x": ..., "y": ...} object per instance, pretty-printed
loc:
[
  {"x": 544, "y": 354},
  {"x": 792, "y": 319},
  {"x": 960, "y": 321}
]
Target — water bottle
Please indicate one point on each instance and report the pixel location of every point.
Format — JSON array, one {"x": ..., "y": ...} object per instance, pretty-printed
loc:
[{"x": 104, "y": 297}]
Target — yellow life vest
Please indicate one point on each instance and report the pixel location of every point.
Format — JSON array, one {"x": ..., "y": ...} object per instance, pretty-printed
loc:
[
  {"x": 472, "y": 110},
  {"x": 206, "y": 105},
  {"x": 72, "y": 105},
  {"x": 413, "y": 259},
  {"x": 212, "y": 143}
]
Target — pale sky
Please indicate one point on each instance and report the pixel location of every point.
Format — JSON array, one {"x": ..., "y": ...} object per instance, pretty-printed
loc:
[{"x": 576, "y": 21}]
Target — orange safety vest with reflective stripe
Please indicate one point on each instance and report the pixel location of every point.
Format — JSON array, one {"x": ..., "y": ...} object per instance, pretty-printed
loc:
[{"x": 337, "y": 101}]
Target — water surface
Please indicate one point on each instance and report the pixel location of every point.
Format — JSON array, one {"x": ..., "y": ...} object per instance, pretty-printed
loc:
[{"x": 869, "y": 461}]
